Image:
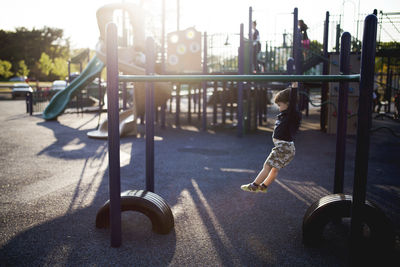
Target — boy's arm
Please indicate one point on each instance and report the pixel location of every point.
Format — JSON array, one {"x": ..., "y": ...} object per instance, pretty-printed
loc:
[{"x": 293, "y": 98}]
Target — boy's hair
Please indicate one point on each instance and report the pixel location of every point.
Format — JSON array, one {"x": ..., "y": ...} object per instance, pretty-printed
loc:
[{"x": 283, "y": 96}]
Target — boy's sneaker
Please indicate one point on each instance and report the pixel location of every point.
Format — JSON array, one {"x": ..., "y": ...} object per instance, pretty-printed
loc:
[
  {"x": 262, "y": 189},
  {"x": 253, "y": 188}
]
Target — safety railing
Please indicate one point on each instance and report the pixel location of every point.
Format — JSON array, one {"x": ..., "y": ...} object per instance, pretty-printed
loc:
[{"x": 240, "y": 78}]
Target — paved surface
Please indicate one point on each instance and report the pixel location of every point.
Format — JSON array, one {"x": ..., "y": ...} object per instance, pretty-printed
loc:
[{"x": 54, "y": 179}]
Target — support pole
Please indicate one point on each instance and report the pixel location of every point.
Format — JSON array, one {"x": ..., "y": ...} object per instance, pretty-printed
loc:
[
  {"x": 163, "y": 105},
  {"x": 163, "y": 38},
  {"x": 325, "y": 71},
  {"x": 215, "y": 100},
  {"x": 199, "y": 103},
  {"x": 177, "y": 104},
  {"x": 295, "y": 31},
  {"x": 337, "y": 37},
  {"x": 251, "y": 68},
  {"x": 240, "y": 84},
  {"x": 113, "y": 134},
  {"x": 189, "y": 103},
  {"x": 100, "y": 95},
  {"x": 150, "y": 48},
  {"x": 290, "y": 66},
  {"x": 342, "y": 115},
  {"x": 388, "y": 91},
  {"x": 205, "y": 84},
  {"x": 224, "y": 84},
  {"x": 124, "y": 95},
  {"x": 363, "y": 135}
]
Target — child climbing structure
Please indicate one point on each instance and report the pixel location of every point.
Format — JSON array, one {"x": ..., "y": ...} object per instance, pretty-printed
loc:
[{"x": 131, "y": 62}]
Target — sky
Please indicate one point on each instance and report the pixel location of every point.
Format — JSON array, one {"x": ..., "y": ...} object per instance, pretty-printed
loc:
[{"x": 78, "y": 17}]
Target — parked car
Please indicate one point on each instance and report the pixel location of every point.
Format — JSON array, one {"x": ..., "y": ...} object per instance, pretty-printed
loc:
[
  {"x": 21, "y": 89},
  {"x": 18, "y": 79},
  {"x": 59, "y": 85}
]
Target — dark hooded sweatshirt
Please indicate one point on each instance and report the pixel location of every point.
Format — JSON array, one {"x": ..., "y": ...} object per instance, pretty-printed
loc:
[{"x": 288, "y": 121}]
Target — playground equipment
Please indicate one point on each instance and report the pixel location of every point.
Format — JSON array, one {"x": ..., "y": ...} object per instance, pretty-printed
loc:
[
  {"x": 127, "y": 125},
  {"x": 336, "y": 206},
  {"x": 130, "y": 63},
  {"x": 146, "y": 202},
  {"x": 60, "y": 100},
  {"x": 184, "y": 51},
  {"x": 328, "y": 208}
]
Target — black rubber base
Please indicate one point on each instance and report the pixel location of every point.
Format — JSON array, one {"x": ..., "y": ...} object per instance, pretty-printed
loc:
[
  {"x": 337, "y": 206},
  {"x": 148, "y": 203}
]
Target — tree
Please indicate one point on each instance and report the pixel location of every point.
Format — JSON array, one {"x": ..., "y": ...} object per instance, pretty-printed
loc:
[
  {"x": 5, "y": 69},
  {"x": 28, "y": 45},
  {"x": 22, "y": 69},
  {"x": 45, "y": 64},
  {"x": 60, "y": 68}
]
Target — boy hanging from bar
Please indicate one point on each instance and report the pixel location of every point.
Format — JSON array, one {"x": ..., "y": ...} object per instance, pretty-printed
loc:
[{"x": 286, "y": 126}]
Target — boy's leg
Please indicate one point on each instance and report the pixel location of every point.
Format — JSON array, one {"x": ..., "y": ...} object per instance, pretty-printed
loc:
[
  {"x": 255, "y": 186},
  {"x": 263, "y": 174},
  {"x": 271, "y": 176}
]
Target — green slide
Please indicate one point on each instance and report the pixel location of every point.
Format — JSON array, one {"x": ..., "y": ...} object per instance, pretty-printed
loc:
[{"x": 60, "y": 100}]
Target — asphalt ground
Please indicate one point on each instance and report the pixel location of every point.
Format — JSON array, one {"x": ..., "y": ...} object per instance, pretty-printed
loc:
[{"x": 54, "y": 180}]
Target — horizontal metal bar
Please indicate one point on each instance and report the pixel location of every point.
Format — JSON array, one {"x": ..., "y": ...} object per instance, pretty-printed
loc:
[{"x": 240, "y": 78}]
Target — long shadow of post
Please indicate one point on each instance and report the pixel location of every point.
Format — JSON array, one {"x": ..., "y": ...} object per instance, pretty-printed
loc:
[{"x": 72, "y": 239}]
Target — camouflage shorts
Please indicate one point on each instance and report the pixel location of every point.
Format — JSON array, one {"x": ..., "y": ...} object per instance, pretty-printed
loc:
[{"x": 281, "y": 154}]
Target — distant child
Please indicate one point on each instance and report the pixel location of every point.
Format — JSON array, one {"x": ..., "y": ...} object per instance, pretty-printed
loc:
[
  {"x": 256, "y": 46},
  {"x": 286, "y": 126},
  {"x": 397, "y": 105}
]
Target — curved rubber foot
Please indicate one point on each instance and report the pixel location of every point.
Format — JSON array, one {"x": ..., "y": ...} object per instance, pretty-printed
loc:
[
  {"x": 148, "y": 203},
  {"x": 337, "y": 206}
]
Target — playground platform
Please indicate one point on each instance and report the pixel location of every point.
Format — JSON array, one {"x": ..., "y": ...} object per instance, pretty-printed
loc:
[{"x": 54, "y": 179}]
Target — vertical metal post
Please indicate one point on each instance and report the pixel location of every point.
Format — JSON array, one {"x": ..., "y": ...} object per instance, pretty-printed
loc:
[
  {"x": 100, "y": 94},
  {"x": 199, "y": 103},
  {"x": 290, "y": 66},
  {"x": 248, "y": 101},
  {"x": 224, "y": 102},
  {"x": 27, "y": 102},
  {"x": 325, "y": 71},
  {"x": 163, "y": 110},
  {"x": 363, "y": 133},
  {"x": 162, "y": 40},
  {"x": 124, "y": 30},
  {"x": 215, "y": 107},
  {"x": 190, "y": 103},
  {"x": 388, "y": 91},
  {"x": 295, "y": 31},
  {"x": 231, "y": 93},
  {"x": 178, "y": 104},
  {"x": 240, "y": 84},
  {"x": 204, "y": 123},
  {"x": 337, "y": 38},
  {"x": 178, "y": 9},
  {"x": 30, "y": 103},
  {"x": 150, "y": 48},
  {"x": 113, "y": 134},
  {"x": 124, "y": 95},
  {"x": 260, "y": 102},
  {"x": 342, "y": 114},
  {"x": 163, "y": 105},
  {"x": 251, "y": 40}
]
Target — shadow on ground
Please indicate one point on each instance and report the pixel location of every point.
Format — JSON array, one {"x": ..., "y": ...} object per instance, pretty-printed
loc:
[{"x": 199, "y": 175}]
